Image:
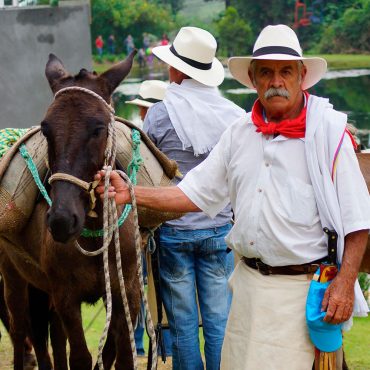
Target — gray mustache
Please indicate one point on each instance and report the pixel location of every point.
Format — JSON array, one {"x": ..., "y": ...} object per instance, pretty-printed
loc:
[{"x": 272, "y": 91}]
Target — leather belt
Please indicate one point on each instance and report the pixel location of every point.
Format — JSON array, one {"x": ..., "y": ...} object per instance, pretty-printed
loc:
[{"x": 307, "y": 268}]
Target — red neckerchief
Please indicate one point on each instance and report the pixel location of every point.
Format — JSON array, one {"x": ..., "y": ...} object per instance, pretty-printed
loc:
[{"x": 292, "y": 128}]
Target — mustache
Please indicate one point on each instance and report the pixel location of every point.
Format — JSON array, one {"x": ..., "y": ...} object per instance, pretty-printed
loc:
[{"x": 272, "y": 91}]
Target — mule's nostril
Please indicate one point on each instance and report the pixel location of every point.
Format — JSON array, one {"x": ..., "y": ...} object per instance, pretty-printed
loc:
[{"x": 74, "y": 221}]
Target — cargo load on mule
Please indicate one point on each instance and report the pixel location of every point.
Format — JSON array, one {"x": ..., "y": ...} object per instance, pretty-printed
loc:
[{"x": 18, "y": 189}]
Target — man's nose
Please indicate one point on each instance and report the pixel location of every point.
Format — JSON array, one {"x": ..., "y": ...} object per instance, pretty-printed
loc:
[{"x": 276, "y": 81}]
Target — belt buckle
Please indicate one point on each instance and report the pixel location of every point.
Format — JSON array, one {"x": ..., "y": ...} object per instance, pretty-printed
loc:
[{"x": 262, "y": 268}]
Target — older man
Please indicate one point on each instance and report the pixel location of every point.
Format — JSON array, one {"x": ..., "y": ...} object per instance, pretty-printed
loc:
[{"x": 289, "y": 170}]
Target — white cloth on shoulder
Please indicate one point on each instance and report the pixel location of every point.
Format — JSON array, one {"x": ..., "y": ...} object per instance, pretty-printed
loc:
[
  {"x": 199, "y": 114},
  {"x": 325, "y": 129}
]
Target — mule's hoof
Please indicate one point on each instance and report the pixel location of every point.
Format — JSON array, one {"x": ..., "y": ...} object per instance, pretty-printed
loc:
[{"x": 29, "y": 361}]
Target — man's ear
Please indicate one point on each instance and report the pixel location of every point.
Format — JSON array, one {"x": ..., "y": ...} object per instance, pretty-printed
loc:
[
  {"x": 303, "y": 72},
  {"x": 55, "y": 71},
  {"x": 118, "y": 72}
]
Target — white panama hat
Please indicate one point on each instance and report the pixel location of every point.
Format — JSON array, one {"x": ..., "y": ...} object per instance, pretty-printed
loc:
[
  {"x": 151, "y": 92},
  {"x": 193, "y": 53},
  {"x": 278, "y": 43}
]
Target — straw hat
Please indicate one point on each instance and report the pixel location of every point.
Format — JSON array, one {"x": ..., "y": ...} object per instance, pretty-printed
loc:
[
  {"x": 193, "y": 53},
  {"x": 151, "y": 91},
  {"x": 278, "y": 43}
]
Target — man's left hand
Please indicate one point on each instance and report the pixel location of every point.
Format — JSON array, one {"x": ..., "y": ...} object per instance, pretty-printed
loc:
[{"x": 338, "y": 300}]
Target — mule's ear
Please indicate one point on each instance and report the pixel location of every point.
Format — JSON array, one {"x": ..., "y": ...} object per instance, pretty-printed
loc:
[
  {"x": 54, "y": 71},
  {"x": 118, "y": 72}
]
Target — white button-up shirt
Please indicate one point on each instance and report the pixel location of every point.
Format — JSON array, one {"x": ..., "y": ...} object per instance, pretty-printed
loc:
[{"x": 267, "y": 182}]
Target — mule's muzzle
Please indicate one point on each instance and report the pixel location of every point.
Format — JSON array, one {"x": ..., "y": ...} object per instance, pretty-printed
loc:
[{"x": 63, "y": 225}]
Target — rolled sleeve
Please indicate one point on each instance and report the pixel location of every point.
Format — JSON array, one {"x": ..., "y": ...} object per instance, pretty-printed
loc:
[{"x": 206, "y": 185}]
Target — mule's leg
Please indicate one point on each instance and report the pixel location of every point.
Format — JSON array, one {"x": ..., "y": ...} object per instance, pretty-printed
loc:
[
  {"x": 16, "y": 298},
  {"x": 70, "y": 314},
  {"x": 109, "y": 351},
  {"x": 124, "y": 359},
  {"x": 39, "y": 315},
  {"x": 58, "y": 342}
]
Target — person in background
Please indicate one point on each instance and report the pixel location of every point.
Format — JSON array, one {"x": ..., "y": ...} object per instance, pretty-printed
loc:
[
  {"x": 129, "y": 44},
  {"x": 164, "y": 40},
  {"x": 290, "y": 170},
  {"x": 193, "y": 257},
  {"x": 150, "y": 93},
  {"x": 99, "y": 44},
  {"x": 111, "y": 44}
]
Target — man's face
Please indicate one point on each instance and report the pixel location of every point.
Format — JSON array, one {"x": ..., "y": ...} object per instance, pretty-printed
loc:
[
  {"x": 278, "y": 84},
  {"x": 142, "y": 112}
]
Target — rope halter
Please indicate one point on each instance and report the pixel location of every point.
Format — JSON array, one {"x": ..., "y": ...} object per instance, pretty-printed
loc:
[{"x": 109, "y": 154}]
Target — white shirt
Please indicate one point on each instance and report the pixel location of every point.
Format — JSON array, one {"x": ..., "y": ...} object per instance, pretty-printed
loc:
[{"x": 267, "y": 182}]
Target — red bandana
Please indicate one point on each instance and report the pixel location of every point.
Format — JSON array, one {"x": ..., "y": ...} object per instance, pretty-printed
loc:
[{"x": 292, "y": 128}]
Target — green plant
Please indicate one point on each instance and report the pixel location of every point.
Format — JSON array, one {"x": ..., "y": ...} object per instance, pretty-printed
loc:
[{"x": 364, "y": 281}]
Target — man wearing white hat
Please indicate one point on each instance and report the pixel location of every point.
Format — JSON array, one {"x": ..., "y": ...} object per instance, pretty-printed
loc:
[
  {"x": 193, "y": 254},
  {"x": 289, "y": 169},
  {"x": 150, "y": 92}
]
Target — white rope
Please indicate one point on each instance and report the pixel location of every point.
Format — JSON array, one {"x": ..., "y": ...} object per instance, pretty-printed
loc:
[{"x": 110, "y": 227}]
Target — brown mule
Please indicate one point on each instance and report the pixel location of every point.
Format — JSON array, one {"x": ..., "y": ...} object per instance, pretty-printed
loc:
[{"x": 44, "y": 253}]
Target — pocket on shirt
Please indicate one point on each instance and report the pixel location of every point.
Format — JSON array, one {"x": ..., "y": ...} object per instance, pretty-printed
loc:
[{"x": 299, "y": 203}]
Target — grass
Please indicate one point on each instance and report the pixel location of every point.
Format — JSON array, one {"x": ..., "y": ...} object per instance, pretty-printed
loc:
[{"x": 356, "y": 341}]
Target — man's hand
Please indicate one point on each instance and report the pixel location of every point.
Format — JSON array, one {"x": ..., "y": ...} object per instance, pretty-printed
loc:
[
  {"x": 338, "y": 300},
  {"x": 339, "y": 297},
  {"x": 117, "y": 190}
]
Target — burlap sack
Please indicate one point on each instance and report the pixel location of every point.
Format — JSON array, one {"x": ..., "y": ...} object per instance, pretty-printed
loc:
[{"x": 18, "y": 190}]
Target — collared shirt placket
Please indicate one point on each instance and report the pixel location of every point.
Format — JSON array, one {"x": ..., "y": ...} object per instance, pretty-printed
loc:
[{"x": 269, "y": 148}]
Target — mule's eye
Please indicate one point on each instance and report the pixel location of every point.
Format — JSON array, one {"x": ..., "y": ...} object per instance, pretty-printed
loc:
[
  {"x": 97, "y": 131},
  {"x": 44, "y": 128}
]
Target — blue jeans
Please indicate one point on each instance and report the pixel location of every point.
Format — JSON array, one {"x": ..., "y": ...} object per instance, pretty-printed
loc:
[{"x": 195, "y": 261}]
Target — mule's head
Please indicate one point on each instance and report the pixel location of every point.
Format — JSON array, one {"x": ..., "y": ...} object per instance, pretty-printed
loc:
[{"x": 76, "y": 129}]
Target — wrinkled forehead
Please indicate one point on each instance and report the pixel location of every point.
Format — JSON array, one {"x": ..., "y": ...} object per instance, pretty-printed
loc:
[{"x": 275, "y": 64}]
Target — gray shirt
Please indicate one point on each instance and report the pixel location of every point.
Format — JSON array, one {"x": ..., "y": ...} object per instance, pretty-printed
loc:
[{"x": 159, "y": 128}]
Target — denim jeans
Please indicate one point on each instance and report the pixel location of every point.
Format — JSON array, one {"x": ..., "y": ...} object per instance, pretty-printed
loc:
[{"x": 195, "y": 261}]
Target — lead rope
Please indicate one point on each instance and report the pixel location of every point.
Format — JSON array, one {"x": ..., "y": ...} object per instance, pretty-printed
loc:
[{"x": 111, "y": 228}]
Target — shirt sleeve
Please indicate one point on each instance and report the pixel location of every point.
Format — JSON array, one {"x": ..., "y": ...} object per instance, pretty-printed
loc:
[
  {"x": 353, "y": 195},
  {"x": 206, "y": 185}
]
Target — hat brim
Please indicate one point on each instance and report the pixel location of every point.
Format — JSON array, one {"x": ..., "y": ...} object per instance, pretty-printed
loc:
[
  {"x": 326, "y": 340},
  {"x": 211, "y": 77},
  {"x": 139, "y": 103},
  {"x": 316, "y": 68}
]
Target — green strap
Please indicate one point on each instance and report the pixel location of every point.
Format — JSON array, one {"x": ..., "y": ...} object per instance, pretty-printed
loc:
[{"x": 132, "y": 170}]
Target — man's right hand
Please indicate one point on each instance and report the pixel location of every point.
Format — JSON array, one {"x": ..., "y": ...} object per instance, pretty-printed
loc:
[{"x": 118, "y": 188}]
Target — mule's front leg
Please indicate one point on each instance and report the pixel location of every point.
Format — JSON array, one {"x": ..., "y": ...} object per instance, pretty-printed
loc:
[{"x": 70, "y": 315}]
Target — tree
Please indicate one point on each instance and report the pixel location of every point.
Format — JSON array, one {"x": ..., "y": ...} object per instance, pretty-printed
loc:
[
  {"x": 350, "y": 33},
  {"x": 123, "y": 17},
  {"x": 234, "y": 34}
]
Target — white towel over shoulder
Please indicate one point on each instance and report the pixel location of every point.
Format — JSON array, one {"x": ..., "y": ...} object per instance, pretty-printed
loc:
[{"x": 199, "y": 114}]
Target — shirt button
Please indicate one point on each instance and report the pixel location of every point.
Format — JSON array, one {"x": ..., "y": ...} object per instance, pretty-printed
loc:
[
  {"x": 251, "y": 243},
  {"x": 259, "y": 190},
  {"x": 267, "y": 164}
]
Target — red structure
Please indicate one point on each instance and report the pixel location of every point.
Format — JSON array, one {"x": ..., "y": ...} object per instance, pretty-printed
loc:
[{"x": 301, "y": 16}]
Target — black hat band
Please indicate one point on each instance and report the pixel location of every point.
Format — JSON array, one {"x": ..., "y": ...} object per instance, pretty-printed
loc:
[
  {"x": 191, "y": 62},
  {"x": 275, "y": 50}
]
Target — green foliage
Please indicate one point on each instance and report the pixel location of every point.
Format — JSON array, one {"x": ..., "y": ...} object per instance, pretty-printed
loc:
[
  {"x": 123, "y": 17},
  {"x": 234, "y": 34},
  {"x": 364, "y": 281},
  {"x": 350, "y": 33},
  {"x": 262, "y": 13}
]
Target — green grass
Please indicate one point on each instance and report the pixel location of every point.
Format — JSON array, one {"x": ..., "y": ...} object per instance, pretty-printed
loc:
[
  {"x": 347, "y": 61},
  {"x": 357, "y": 344}
]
